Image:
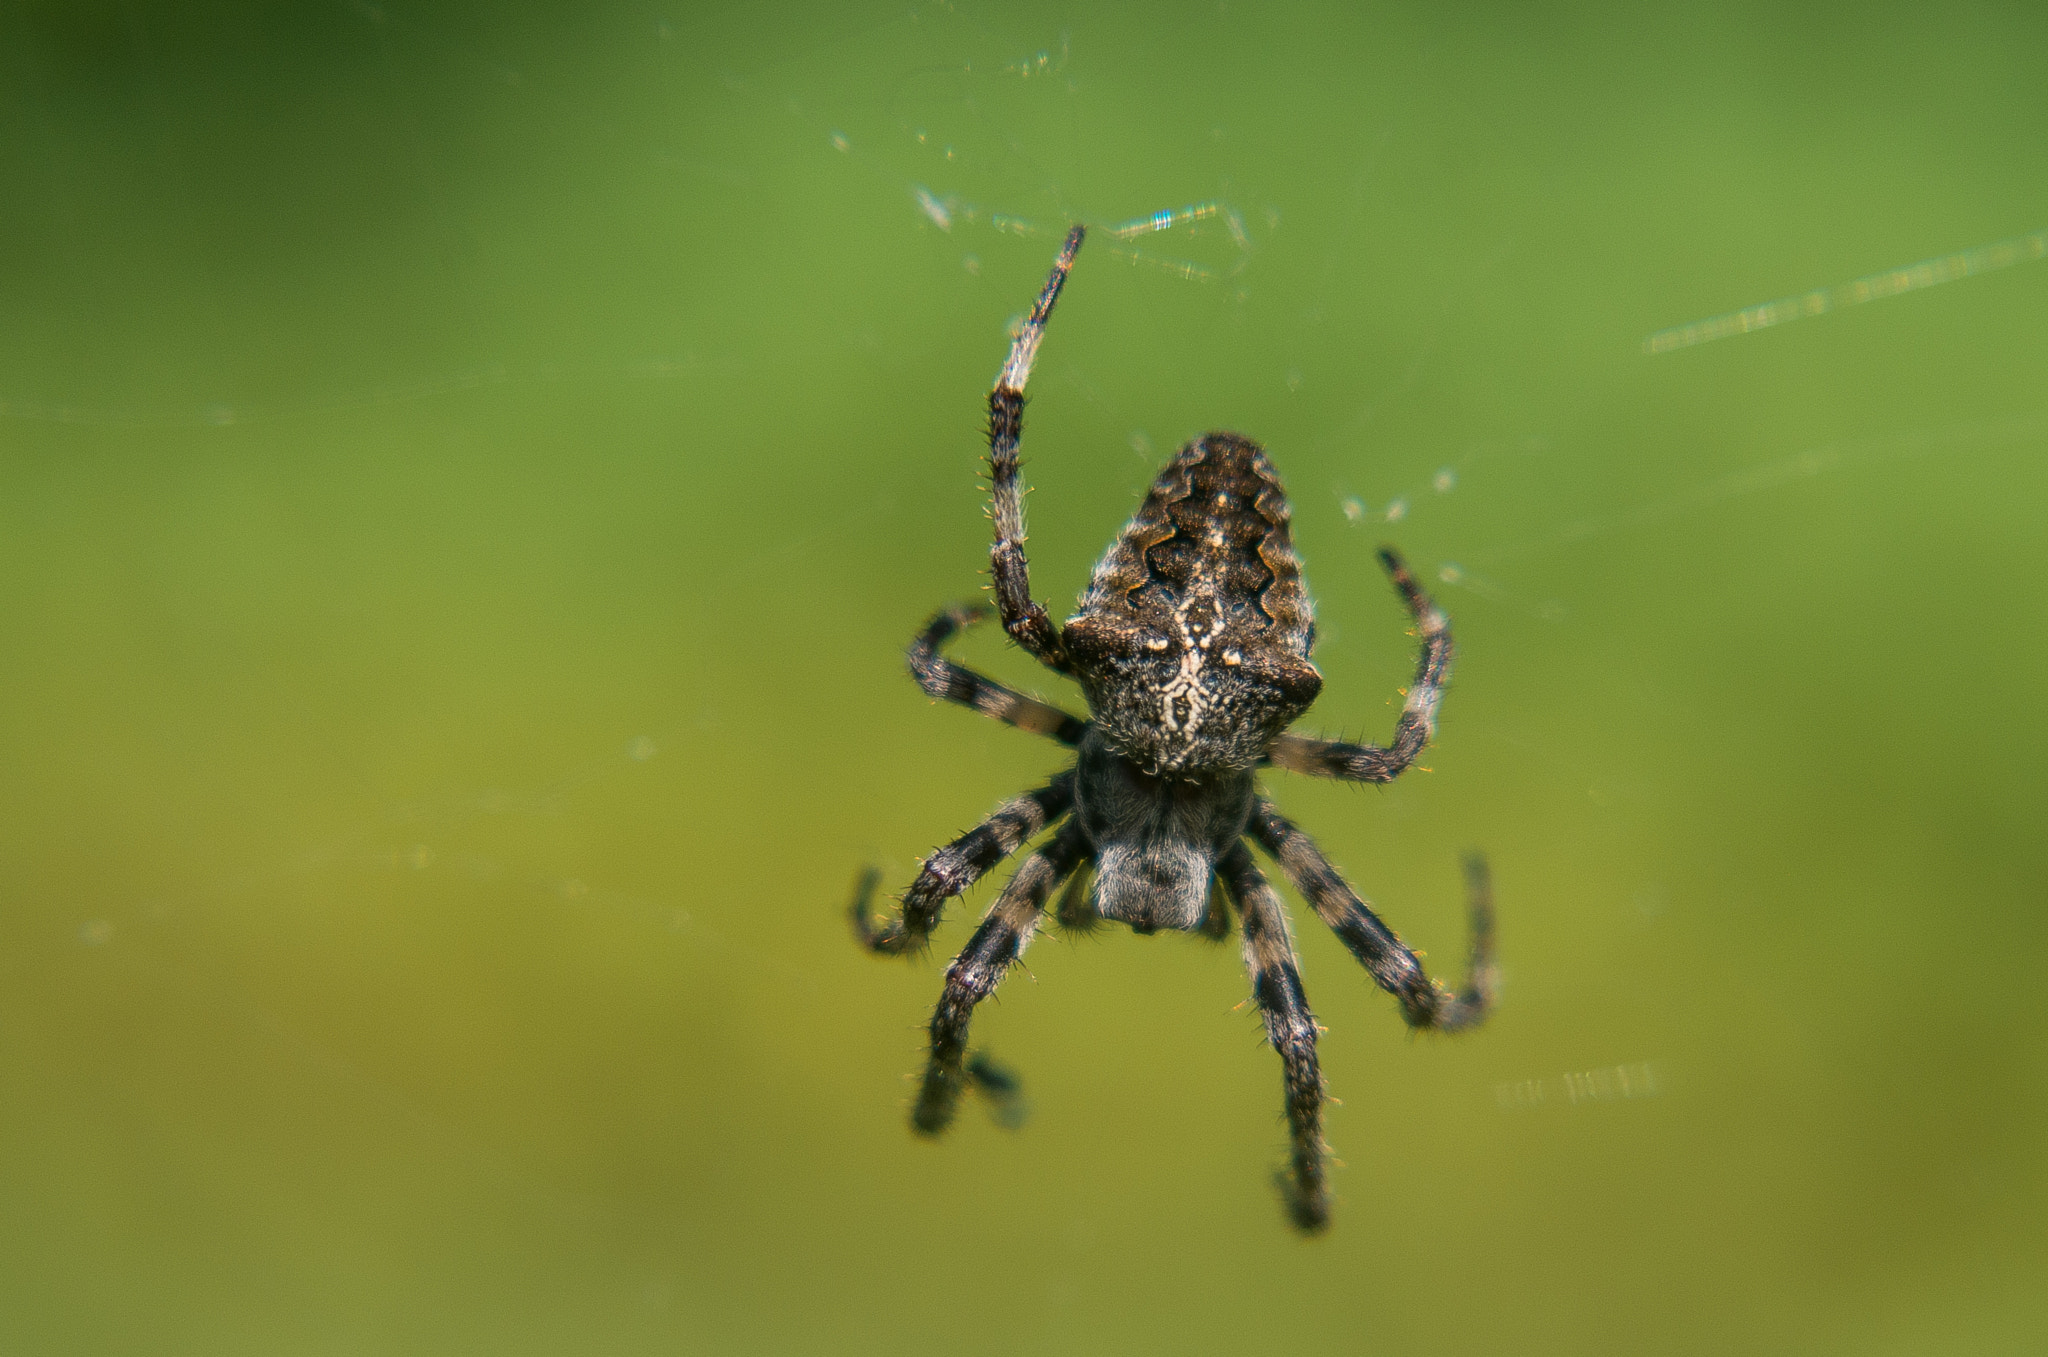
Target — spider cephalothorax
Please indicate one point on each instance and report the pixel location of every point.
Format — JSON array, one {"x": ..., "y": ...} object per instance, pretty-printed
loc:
[{"x": 1192, "y": 648}]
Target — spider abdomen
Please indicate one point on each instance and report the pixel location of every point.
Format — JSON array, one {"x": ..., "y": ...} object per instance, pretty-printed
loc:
[{"x": 1193, "y": 638}]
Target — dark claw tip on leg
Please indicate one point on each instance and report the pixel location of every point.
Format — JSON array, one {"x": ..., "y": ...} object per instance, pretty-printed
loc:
[
  {"x": 935, "y": 1102},
  {"x": 863, "y": 896},
  {"x": 1310, "y": 1214},
  {"x": 1001, "y": 1089},
  {"x": 1479, "y": 897},
  {"x": 967, "y": 614},
  {"x": 861, "y": 913}
]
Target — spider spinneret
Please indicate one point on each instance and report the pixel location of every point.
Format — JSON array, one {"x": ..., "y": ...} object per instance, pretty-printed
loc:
[{"x": 1191, "y": 646}]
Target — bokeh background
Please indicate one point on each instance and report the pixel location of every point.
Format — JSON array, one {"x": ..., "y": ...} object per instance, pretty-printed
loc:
[{"x": 467, "y": 474}]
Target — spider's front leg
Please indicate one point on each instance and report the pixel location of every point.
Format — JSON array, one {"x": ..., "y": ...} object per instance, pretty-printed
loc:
[
  {"x": 1023, "y": 617},
  {"x": 1276, "y": 984},
  {"x": 951, "y": 682},
  {"x": 980, "y": 967},
  {"x": 1396, "y": 969},
  {"x": 1370, "y": 762},
  {"x": 956, "y": 867}
]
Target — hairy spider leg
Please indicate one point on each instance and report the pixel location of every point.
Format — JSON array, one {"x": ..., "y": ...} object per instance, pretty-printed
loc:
[
  {"x": 1396, "y": 969},
  {"x": 951, "y": 682},
  {"x": 1023, "y": 617},
  {"x": 1290, "y": 1027},
  {"x": 980, "y": 967},
  {"x": 1369, "y": 762},
  {"x": 954, "y": 868}
]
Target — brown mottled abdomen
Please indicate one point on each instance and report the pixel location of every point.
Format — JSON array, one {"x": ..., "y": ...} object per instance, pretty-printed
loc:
[{"x": 1192, "y": 640}]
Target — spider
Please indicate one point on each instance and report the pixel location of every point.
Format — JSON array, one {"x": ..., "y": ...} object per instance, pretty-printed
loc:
[{"x": 1191, "y": 647}]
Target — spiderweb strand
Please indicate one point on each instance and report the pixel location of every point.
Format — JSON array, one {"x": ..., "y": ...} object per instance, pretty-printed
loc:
[{"x": 1927, "y": 273}]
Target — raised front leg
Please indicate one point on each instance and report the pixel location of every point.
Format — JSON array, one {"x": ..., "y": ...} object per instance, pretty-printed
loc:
[
  {"x": 954, "y": 868},
  {"x": 951, "y": 682},
  {"x": 1023, "y": 618},
  {"x": 980, "y": 967},
  {"x": 1276, "y": 985},
  {"x": 1370, "y": 762},
  {"x": 1424, "y": 1002}
]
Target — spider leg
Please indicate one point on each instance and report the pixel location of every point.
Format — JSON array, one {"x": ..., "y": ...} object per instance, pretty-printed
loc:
[
  {"x": 1370, "y": 762},
  {"x": 1001, "y": 1089},
  {"x": 980, "y": 967},
  {"x": 1023, "y": 618},
  {"x": 1424, "y": 1002},
  {"x": 1276, "y": 984},
  {"x": 954, "y": 868},
  {"x": 944, "y": 679}
]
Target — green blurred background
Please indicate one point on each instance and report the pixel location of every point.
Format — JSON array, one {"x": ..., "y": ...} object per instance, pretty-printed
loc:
[{"x": 467, "y": 474}]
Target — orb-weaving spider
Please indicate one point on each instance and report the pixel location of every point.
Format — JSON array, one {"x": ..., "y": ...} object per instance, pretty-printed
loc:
[{"x": 1192, "y": 648}]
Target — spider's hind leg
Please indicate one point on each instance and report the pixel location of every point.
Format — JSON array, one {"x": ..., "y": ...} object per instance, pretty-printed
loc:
[
  {"x": 1417, "y": 725},
  {"x": 1024, "y": 618},
  {"x": 951, "y": 682}
]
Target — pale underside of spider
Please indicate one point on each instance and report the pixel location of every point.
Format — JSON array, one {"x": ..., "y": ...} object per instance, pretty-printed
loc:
[{"x": 1191, "y": 646}]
